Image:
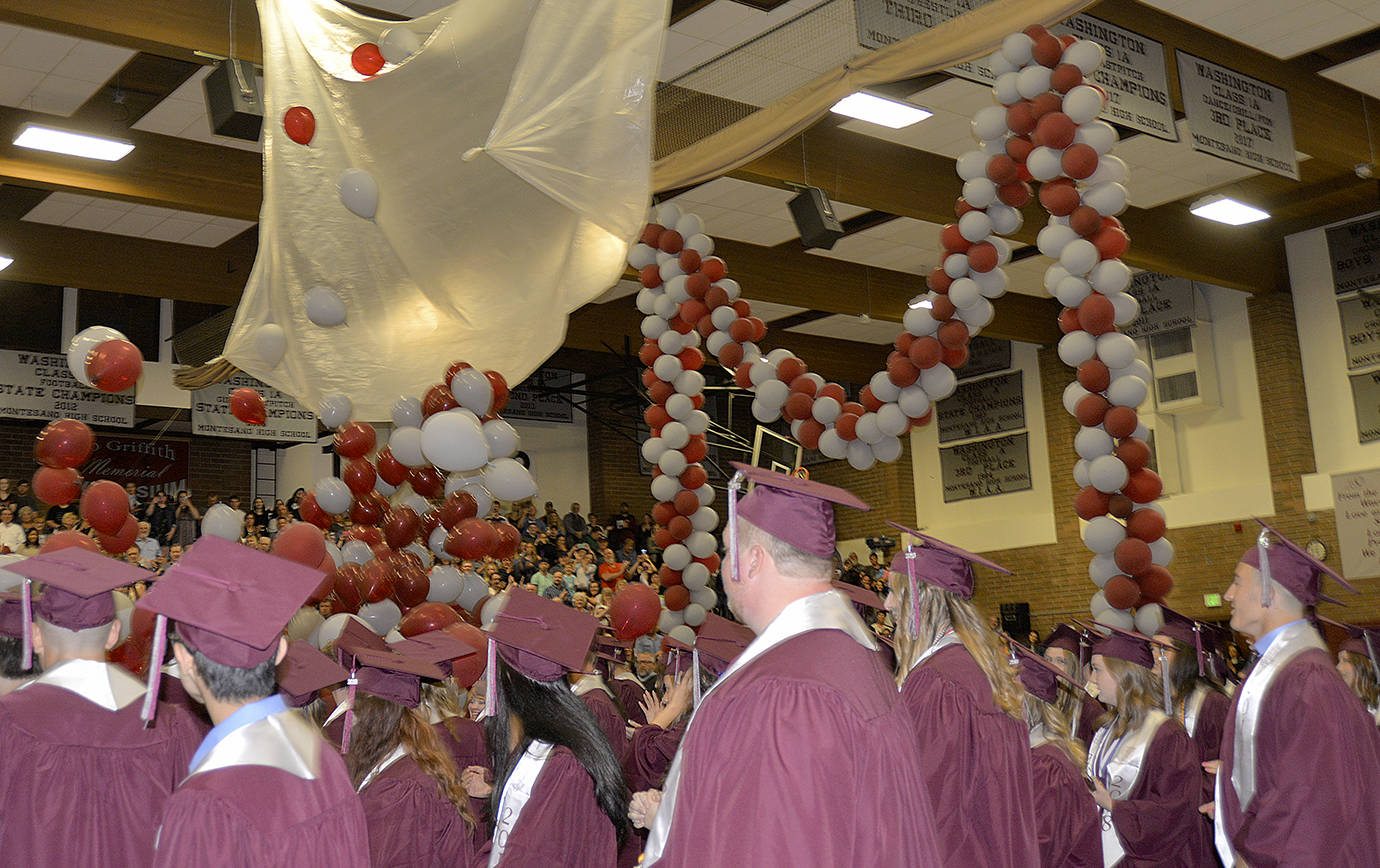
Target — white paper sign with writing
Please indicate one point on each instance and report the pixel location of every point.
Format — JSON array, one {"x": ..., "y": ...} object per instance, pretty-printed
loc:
[
  {"x": 287, "y": 419},
  {"x": 1357, "y": 500},
  {"x": 1236, "y": 117}
]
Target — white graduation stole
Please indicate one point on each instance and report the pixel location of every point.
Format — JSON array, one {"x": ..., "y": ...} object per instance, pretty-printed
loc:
[
  {"x": 1118, "y": 765},
  {"x": 516, "y": 793},
  {"x": 1193, "y": 706}
]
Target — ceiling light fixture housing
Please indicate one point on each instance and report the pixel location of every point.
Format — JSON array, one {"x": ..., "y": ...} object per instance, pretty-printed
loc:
[
  {"x": 6, "y": 262},
  {"x": 881, "y": 110},
  {"x": 57, "y": 141},
  {"x": 1224, "y": 209}
]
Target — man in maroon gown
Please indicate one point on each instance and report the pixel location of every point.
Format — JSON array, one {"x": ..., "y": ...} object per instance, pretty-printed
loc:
[
  {"x": 263, "y": 789},
  {"x": 82, "y": 782},
  {"x": 1299, "y": 781},
  {"x": 801, "y": 753}
]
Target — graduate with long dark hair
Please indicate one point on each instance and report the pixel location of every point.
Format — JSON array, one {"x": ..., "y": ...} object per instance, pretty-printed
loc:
[
  {"x": 1195, "y": 701},
  {"x": 558, "y": 795}
]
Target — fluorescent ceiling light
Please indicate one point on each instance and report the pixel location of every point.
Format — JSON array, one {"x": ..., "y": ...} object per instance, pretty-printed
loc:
[
  {"x": 5, "y": 262},
  {"x": 919, "y": 302},
  {"x": 1226, "y": 210},
  {"x": 880, "y": 110},
  {"x": 43, "y": 138}
]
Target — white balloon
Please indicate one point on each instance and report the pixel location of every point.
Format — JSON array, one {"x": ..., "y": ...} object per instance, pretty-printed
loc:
[
  {"x": 919, "y": 322},
  {"x": 222, "y": 521},
  {"x": 653, "y": 327},
  {"x": 975, "y": 226},
  {"x": 83, "y": 342},
  {"x": 421, "y": 552},
  {"x": 973, "y": 164},
  {"x": 1110, "y": 276},
  {"x": 1018, "y": 49},
  {"x": 1032, "y": 81},
  {"x": 764, "y": 414},
  {"x": 359, "y": 192},
  {"x": 1083, "y": 103},
  {"x": 1108, "y": 473},
  {"x": 492, "y": 607},
  {"x": 1109, "y": 168},
  {"x": 407, "y": 412},
  {"x": 831, "y": 445},
  {"x": 1101, "y": 568},
  {"x": 672, "y": 463},
  {"x": 883, "y": 388},
  {"x": 332, "y": 495},
  {"x": 674, "y": 436},
  {"x": 1075, "y": 348},
  {"x": 1086, "y": 55},
  {"x": 694, "y": 576},
  {"x": 1098, "y": 605},
  {"x": 437, "y": 543},
  {"x": 453, "y": 441},
  {"x": 964, "y": 292},
  {"x": 398, "y": 43},
  {"x": 1005, "y": 219},
  {"x": 1138, "y": 369},
  {"x": 670, "y": 343},
  {"x": 694, "y": 615},
  {"x": 705, "y": 493},
  {"x": 988, "y": 123},
  {"x": 1125, "y": 308},
  {"x": 508, "y": 480},
  {"x": 664, "y": 487},
  {"x": 1099, "y": 135},
  {"x": 416, "y": 503},
  {"x": 1149, "y": 619},
  {"x": 1045, "y": 164},
  {"x": 641, "y": 255},
  {"x": 330, "y": 629},
  {"x": 324, "y": 306},
  {"x": 445, "y": 584},
  {"x": 357, "y": 552},
  {"x": 1007, "y": 92},
  {"x": 701, "y": 544},
  {"x": 938, "y": 381},
  {"x": 484, "y": 501},
  {"x": 1089, "y": 443},
  {"x": 473, "y": 390},
  {"x": 676, "y": 556},
  {"x": 406, "y": 446},
  {"x": 502, "y": 439},
  {"x": 860, "y": 455},
  {"x": 1053, "y": 238},
  {"x": 381, "y": 616},
  {"x": 866, "y": 428},
  {"x": 652, "y": 448},
  {"x": 680, "y": 407},
  {"x": 1102, "y": 534},
  {"x": 992, "y": 284},
  {"x": 1078, "y": 257},
  {"x": 335, "y": 410},
  {"x": 1107, "y": 198},
  {"x": 669, "y": 621},
  {"x": 667, "y": 368},
  {"x": 888, "y": 449},
  {"x": 1119, "y": 618},
  {"x": 670, "y": 270},
  {"x": 697, "y": 422},
  {"x": 979, "y": 192},
  {"x": 1055, "y": 273},
  {"x": 704, "y": 518},
  {"x": 1116, "y": 350},
  {"x": 891, "y": 421},
  {"x": 914, "y": 402},
  {"x": 826, "y": 410},
  {"x": 1072, "y": 291},
  {"x": 270, "y": 342},
  {"x": 704, "y": 597},
  {"x": 689, "y": 382},
  {"x": 689, "y": 225},
  {"x": 1128, "y": 392},
  {"x": 700, "y": 243},
  {"x": 1161, "y": 551},
  {"x": 683, "y": 633},
  {"x": 1073, "y": 393},
  {"x": 730, "y": 286},
  {"x": 760, "y": 372},
  {"x": 473, "y": 591},
  {"x": 668, "y": 214},
  {"x": 997, "y": 62},
  {"x": 1080, "y": 473},
  {"x": 334, "y": 551}
]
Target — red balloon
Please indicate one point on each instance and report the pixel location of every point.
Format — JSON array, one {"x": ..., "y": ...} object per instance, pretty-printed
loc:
[
  {"x": 1134, "y": 453},
  {"x": 1145, "y": 524},
  {"x": 507, "y": 542},
  {"x": 1157, "y": 582},
  {"x": 799, "y": 405},
  {"x": 791, "y": 368},
  {"x": 410, "y": 582},
  {"x": 901, "y": 371},
  {"x": 925, "y": 352},
  {"x": 438, "y": 399},
  {"x": 1121, "y": 592},
  {"x": 427, "y": 481},
  {"x": 1144, "y": 486},
  {"x": 57, "y": 486},
  {"x": 809, "y": 433},
  {"x": 668, "y": 577},
  {"x": 466, "y": 670},
  {"x": 300, "y": 543},
  {"x": 366, "y": 510},
  {"x": 846, "y": 425},
  {"x": 982, "y": 256},
  {"x": 1085, "y": 220},
  {"x": 1111, "y": 242},
  {"x": 67, "y": 539},
  {"x": 1047, "y": 50},
  {"x": 359, "y": 476},
  {"x": 693, "y": 477},
  {"x": 680, "y": 528},
  {"x": 346, "y": 585},
  {"x": 367, "y": 59},
  {"x": 247, "y": 405},
  {"x": 472, "y": 539},
  {"x": 1059, "y": 198},
  {"x": 1068, "y": 320},
  {"x": 426, "y": 617},
  {"x": 370, "y": 536},
  {"x": 1020, "y": 118},
  {"x": 105, "y": 506},
  {"x": 458, "y": 507},
  {"x": 1079, "y": 161},
  {"x": 1096, "y": 314},
  {"x": 300, "y": 124},
  {"x": 1016, "y": 195},
  {"x": 1001, "y": 169},
  {"x": 114, "y": 366},
  {"x": 1065, "y": 77},
  {"x": 696, "y": 450},
  {"x": 64, "y": 443},
  {"x": 689, "y": 260},
  {"x": 711, "y": 562},
  {"x": 1132, "y": 556},
  {"x": 663, "y": 538},
  {"x": 634, "y": 611},
  {"x": 500, "y": 387},
  {"x": 1054, "y": 130},
  {"x": 1121, "y": 422},
  {"x": 677, "y": 597},
  {"x": 1120, "y": 506},
  {"x": 664, "y": 512},
  {"x": 1094, "y": 376},
  {"x": 687, "y": 503},
  {"x": 311, "y": 512},
  {"x": 376, "y": 582},
  {"x": 355, "y": 440},
  {"x": 952, "y": 335},
  {"x": 118, "y": 543},
  {"x": 401, "y": 526},
  {"x": 1091, "y": 410},
  {"x": 1090, "y": 503},
  {"x": 391, "y": 470}
]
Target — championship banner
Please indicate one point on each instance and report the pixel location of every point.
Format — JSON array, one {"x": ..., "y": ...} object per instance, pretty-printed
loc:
[{"x": 39, "y": 386}]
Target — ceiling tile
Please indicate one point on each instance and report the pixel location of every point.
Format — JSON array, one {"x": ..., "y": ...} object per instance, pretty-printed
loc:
[
  {"x": 770, "y": 310},
  {"x": 56, "y": 95},
  {"x": 16, "y": 84},
  {"x": 93, "y": 62},
  {"x": 37, "y": 50},
  {"x": 1361, "y": 74},
  {"x": 94, "y": 218},
  {"x": 1282, "y": 28},
  {"x": 173, "y": 229},
  {"x": 850, "y": 328}
]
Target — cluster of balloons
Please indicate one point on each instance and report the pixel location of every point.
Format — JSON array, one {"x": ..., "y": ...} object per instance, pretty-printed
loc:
[
  {"x": 686, "y": 297},
  {"x": 60, "y": 448},
  {"x": 1046, "y": 129},
  {"x": 102, "y": 358}
]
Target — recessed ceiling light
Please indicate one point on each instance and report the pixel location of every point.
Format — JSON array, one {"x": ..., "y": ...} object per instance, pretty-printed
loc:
[
  {"x": 5, "y": 262},
  {"x": 43, "y": 138},
  {"x": 1227, "y": 210},
  {"x": 880, "y": 110}
]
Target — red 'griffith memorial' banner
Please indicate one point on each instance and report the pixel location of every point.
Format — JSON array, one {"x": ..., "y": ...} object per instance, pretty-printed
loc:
[{"x": 152, "y": 465}]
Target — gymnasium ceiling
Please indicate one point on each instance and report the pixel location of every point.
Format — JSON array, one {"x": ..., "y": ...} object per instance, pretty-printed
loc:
[{"x": 177, "y": 217}]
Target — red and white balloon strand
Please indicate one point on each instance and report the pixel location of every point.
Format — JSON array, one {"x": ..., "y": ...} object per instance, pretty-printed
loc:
[{"x": 1046, "y": 129}]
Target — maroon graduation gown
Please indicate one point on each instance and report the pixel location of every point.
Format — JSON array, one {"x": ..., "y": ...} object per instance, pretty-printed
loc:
[
  {"x": 1207, "y": 736},
  {"x": 1159, "y": 824},
  {"x": 258, "y": 816},
  {"x": 614, "y": 727},
  {"x": 411, "y": 824},
  {"x": 1067, "y": 821},
  {"x": 82, "y": 785},
  {"x": 1089, "y": 713},
  {"x": 976, "y": 763},
  {"x": 649, "y": 756},
  {"x": 630, "y": 695},
  {"x": 171, "y": 691},
  {"x": 464, "y": 740},
  {"x": 802, "y": 757},
  {"x": 561, "y": 825},
  {"x": 1317, "y": 798}
]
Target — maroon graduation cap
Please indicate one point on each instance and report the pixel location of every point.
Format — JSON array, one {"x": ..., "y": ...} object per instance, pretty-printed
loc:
[
  {"x": 541, "y": 638},
  {"x": 1281, "y": 560},
  {"x": 720, "y": 641},
  {"x": 1134, "y": 648},
  {"x": 1074, "y": 641},
  {"x": 437, "y": 646},
  {"x": 1040, "y": 677},
  {"x": 860, "y": 595},
  {"x": 356, "y": 636},
  {"x": 941, "y": 564},
  {"x": 1184, "y": 629},
  {"x": 304, "y": 671},
  {"x": 796, "y": 511},
  {"x": 1364, "y": 641}
]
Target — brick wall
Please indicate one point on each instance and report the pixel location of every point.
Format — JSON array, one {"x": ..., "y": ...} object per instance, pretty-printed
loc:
[{"x": 1053, "y": 579}]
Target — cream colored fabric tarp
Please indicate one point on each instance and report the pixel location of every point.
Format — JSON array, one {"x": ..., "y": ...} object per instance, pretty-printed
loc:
[
  {"x": 969, "y": 36},
  {"x": 473, "y": 254}
]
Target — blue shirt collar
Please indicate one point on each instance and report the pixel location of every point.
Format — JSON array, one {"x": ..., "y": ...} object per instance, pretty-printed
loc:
[
  {"x": 1264, "y": 642},
  {"x": 243, "y": 716}
]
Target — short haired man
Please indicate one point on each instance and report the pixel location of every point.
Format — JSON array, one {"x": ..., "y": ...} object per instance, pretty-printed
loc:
[
  {"x": 574, "y": 523},
  {"x": 772, "y": 752},
  {"x": 74, "y": 736},
  {"x": 11, "y": 532},
  {"x": 1299, "y": 780},
  {"x": 263, "y": 781},
  {"x": 147, "y": 545}
]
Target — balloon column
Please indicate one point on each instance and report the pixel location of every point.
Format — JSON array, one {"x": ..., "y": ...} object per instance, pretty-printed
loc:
[
  {"x": 102, "y": 358},
  {"x": 60, "y": 448},
  {"x": 454, "y": 452}
]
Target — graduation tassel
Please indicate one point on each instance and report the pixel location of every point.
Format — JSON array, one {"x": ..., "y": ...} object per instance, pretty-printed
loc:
[
  {"x": 1370, "y": 652},
  {"x": 160, "y": 647},
  {"x": 1267, "y": 593},
  {"x": 695, "y": 674},
  {"x": 735, "y": 484},
  {"x": 27, "y": 640},
  {"x": 490, "y": 680},
  {"x": 1198, "y": 646},
  {"x": 352, "y": 682},
  {"x": 914, "y": 592},
  {"x": 1164, "y": 682}
]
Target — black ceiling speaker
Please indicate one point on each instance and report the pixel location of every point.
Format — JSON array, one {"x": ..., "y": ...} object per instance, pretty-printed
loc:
[
  {"x": 233, "y": 100},
  {"x": 814, "y": 217}
]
